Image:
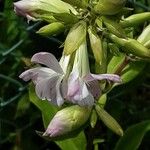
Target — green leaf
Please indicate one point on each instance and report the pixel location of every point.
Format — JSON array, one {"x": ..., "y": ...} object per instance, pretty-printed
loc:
[
  {"x": 66, "y": 18},
  {"x": 23, "y": 105},
  {"x": 115, "y": 62},
  {"x": 133, "y": 136},
  {"x": 48, "y": 110},
  {"x": 73, "y": 143},
  {"x": 132, "y": 70},
  {"x": 77, "y": 143}
]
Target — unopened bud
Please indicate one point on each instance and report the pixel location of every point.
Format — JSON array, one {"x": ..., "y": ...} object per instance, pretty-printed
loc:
[
  {"x": 144, "y": 38},
  {"x": 131, "y": 46},
  {"x": 109, "y": 121},
  {"x": 113, "y": 27},
  {"x": 51, "y": 29},
  {"x": 109, "y": 7},
  {"x": 135, "y": 19},
  {"x": 66, "y": 18},
  {"x": 67, "y": 120},
  {"x": 96, "y": 46},
  {"x": 75, "y": 38},
  {"x": 93, "y": 119}
]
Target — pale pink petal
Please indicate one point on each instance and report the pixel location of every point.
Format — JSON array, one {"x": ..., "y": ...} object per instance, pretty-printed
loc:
[
  {"x": 48, "y": 60},
  {"x": 94, "y": 88},
  {"x": 46, "y": 89},
  {"x": 59, "y": 97},
  {"x": 64, "y": 87},
  {"x": 73, "y": 84},
  {"x": 87, "y": 98},
  {"x": 57, "y": 126},
  {"x": 110, "y": 77},
  {"x": 23, "y": 7},
  {"x": 36, "y": 74},
  {"x": 54, "y": 128},
  {"x": 81, "y": 95}
]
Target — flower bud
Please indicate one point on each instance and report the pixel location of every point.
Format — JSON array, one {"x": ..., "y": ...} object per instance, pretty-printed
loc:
[
  {"x": 51, "y": 29},
  {"x": 66, "y": 18},
  {"x": 33, "y": 9},
  {"x": 109, "y": 7},
  {"x": 135, "y": 19},
  {"x": 109, "y": 121},
  {"x": 75, "y": 38},
  {"x": 93, "y": 119},
  {"x": 96, "y": 46},
  {"x": 113, "y": 27},
  {"x": 67, "y": 120},
  {"x": 131, "y": 46},
  {"x": 144, "y": 38}
]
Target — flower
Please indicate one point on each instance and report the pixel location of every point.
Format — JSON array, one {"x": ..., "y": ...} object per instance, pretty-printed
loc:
[
  {"x": 67, "y": 120},
  {"x": 48, "y": 80},
  {"x": 83, "y": 86},
  {"x": 34, "y": 9}
]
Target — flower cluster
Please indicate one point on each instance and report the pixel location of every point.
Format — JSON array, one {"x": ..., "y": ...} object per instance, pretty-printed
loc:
[{"x": 96, "y": 30}]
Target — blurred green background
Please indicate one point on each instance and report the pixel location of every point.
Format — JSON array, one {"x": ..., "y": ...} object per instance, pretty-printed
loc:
[{"x": 19, "y": 118}]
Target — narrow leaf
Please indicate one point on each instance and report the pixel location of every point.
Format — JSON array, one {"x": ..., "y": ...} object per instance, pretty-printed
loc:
[{"x": 133, "y": 136}]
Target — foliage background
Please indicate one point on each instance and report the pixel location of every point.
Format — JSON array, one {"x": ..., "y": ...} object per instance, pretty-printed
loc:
[{"x": 19, "y": 118}]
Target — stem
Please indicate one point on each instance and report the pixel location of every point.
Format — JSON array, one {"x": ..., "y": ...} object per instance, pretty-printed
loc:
[{"x": 122, "y": 65}]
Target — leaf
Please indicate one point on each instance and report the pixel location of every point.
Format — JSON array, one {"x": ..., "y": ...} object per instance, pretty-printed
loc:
[
  {"x": 66, "y": 18},
  {"x": 48, "y": 110},
  {"x": 23, "y": 105},
  {"x": 115, "y": 62},
  {"x": 132, "y": 70},
  {"x": 75, "y": 143},
  {"x": 133, "y": 136}
]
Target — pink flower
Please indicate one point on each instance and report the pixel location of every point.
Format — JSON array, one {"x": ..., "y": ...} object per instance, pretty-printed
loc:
[
  {"x": 47, "y": 80},
  {"x": 84, "y": 90},
  {"x": 83, "y": 87}
]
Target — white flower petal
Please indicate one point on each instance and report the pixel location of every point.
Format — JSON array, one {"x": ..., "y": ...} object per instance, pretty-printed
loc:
[
  {"x": 73, "y": 84},
  {"x": 47, "y": 59},
  {"x": 87, "y": 98},
  {"x": 46, "y": 88},
  {"x": 59, "y": 97},
  {"x": 36, "y": 74},
  {"x": 94, "y": 88}
]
